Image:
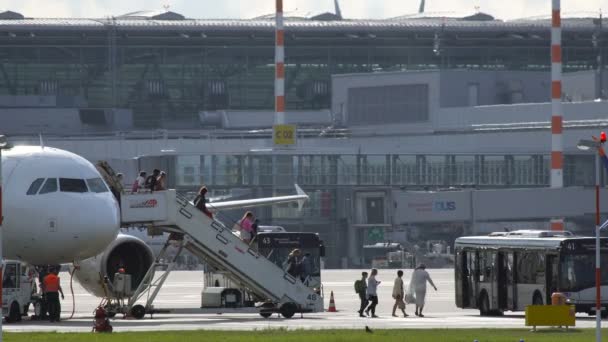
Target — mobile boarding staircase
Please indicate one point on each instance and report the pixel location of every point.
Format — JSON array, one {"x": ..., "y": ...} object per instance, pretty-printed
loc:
[{"x": 218, "y": 246}]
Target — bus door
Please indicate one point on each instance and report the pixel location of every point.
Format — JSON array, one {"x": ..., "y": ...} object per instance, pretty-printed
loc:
[
  {"x": 462, "y": 280},
  {"x": 472, "y": 278},
  {"x": 510, "y": 280},
  {"x": 491, "y": 276},
  {"x": 502, "y": 279},
  {"x": 552, "y": 279}
]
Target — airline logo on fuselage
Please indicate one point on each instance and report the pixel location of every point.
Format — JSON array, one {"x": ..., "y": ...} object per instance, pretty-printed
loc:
[{"x": 150, "y": 203}]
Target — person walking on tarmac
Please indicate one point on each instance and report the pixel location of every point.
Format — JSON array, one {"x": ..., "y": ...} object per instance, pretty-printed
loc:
[
  {"x": 361, "y": 289},
  {"x": 42, "y": 273},
  {"x": 418, "y": 286},
  {"x": 52, "y": 289},
  {"x": 372, "y": 294},
  {"x": 399, "y": 294}
]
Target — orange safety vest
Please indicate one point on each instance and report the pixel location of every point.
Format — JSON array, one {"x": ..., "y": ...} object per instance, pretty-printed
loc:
[{"x": 51, "y": 283}]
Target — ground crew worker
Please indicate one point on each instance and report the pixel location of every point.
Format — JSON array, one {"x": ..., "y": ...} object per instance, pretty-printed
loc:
[
  {"x": 52, "y": 288},
  {"x": 42, "y": 272}
]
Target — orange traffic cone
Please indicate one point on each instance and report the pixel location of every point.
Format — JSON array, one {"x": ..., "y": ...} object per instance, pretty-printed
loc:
[{"x": 332, "y": 304}]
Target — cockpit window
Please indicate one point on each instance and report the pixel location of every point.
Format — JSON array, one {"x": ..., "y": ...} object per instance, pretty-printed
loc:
[
  {"x": 49, "y": 186},
  {"x": 72, "y": 185},
  {"x": 97, "y": 185},
  {"x": 35, "y": 186}
]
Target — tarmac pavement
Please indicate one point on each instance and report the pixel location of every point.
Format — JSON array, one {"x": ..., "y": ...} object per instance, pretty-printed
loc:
[{"x": 181, "y": 294}]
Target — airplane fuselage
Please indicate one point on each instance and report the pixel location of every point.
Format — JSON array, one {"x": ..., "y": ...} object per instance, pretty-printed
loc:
[{"x": 57, "y": 209}]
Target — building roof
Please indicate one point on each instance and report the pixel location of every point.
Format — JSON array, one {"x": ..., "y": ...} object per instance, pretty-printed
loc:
[{"x": 165, "y": 20}]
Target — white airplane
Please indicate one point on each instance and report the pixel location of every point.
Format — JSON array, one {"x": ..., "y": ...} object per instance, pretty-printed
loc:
[{"x": 58, "y": 209}]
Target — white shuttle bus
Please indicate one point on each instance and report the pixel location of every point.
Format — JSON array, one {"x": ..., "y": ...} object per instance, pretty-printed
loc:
[{"x": 508, "y": 271}]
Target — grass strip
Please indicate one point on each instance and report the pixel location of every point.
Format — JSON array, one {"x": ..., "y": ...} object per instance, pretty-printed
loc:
[{"x": 283, "y": 335}]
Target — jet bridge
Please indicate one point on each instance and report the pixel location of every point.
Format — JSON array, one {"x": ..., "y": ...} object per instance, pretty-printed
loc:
[{"x": 217, "y": 245}]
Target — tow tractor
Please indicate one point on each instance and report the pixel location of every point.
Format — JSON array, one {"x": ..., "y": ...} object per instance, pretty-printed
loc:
[{"x": 18, "y": 291}]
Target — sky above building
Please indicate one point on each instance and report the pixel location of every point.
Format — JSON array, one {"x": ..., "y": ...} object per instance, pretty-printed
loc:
[{"x": 251, "y": 8}]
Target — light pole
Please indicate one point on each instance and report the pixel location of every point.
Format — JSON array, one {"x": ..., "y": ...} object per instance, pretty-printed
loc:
[
  {"x": 3, "y": 144},
  {"x": 585, "y": 145}
]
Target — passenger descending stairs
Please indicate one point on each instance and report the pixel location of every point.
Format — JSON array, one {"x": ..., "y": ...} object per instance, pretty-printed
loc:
[{"x": 212, "y": 241}]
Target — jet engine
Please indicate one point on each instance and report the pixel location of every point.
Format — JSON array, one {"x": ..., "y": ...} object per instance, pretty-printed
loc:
[{"x": 127, "y": 252}]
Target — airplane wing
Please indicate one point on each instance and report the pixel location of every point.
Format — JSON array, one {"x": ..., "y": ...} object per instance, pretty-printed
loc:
[{"x": 301, "y": 198}]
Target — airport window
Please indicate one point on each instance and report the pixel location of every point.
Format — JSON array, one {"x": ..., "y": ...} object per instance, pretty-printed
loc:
[
  {"x": 49, "y": 186},
  {"x": 97, "y": 185},
  {"x": 388, "y": 104},
  {"x": 35, "y": 186},
  {"x": 72, "y": 185}
]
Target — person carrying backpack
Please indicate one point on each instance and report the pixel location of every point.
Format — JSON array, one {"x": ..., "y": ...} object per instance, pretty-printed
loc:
[{"x": 361, "y": 290}]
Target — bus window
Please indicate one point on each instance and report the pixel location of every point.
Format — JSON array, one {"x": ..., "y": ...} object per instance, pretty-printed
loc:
[
  {"x": 277, "y": 246},
  {"x": 486, "y": 262},
  {"x": 10, "y": 276},
  {"x": 540, "y": 268},
  {"x": 530, "y": 268},
  {"x": 578, "y": 271}
]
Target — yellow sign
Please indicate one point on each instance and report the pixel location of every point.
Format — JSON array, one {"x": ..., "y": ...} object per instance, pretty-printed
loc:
[
  {"x": 284, "y": 134},
  {"x": 550, "y": 315}
]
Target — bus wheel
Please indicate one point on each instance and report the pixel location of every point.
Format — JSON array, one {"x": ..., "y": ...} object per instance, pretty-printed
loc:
[
  {"x": 604, "y": 313},
  {"x": 537, "y": 299},
  {"x": 498, "y": 312},
  {"x": 14, "y": 315},
  {"x": 484, "y": 304}
]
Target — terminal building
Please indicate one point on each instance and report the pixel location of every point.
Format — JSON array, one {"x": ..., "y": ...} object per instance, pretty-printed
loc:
[{"x": 410, "y": 129}]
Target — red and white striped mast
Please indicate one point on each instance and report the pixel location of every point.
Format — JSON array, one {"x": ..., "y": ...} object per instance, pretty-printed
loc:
[
  {"x": 557, "y": 156},
  {"x": 279, "y": 57},
  {"x": 3, "y": 144}
]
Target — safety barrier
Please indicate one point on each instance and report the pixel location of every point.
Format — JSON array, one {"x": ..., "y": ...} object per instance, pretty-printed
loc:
[{"x": 550, "y": 315}]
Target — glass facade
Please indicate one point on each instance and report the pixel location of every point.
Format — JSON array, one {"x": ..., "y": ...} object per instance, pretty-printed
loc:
[
  {"x": 489, "y": 171},
  {"x": 332, "y": 182},
  {"x": 172, "y": 74},
  {"x": 322, "y": 175}
]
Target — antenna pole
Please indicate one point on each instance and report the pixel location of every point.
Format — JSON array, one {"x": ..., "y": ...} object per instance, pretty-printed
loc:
[{"x": 3, "y": 144}]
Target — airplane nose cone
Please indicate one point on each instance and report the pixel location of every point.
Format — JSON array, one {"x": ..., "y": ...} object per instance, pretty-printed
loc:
[
  {"x": 99, "y": 227},
  {"x": 106, "y": 224}
]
